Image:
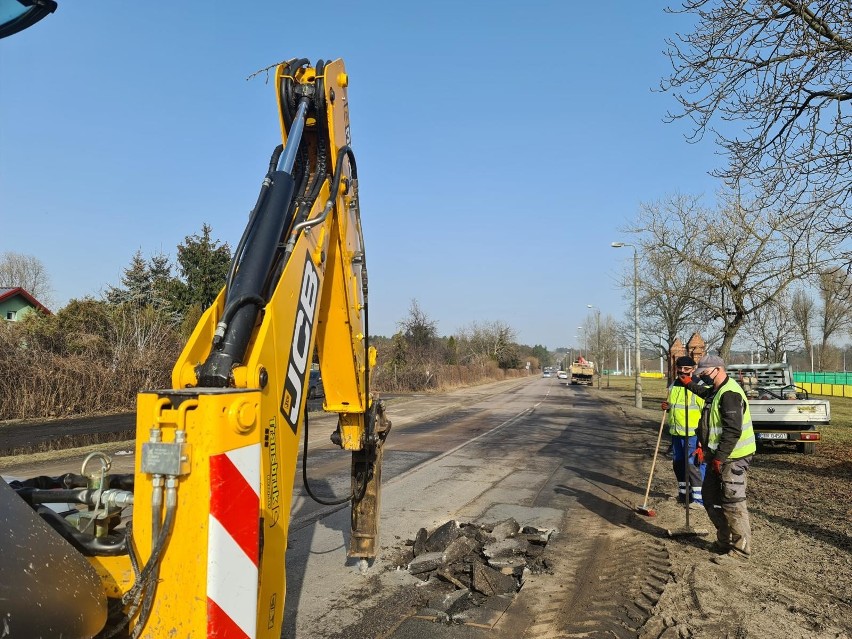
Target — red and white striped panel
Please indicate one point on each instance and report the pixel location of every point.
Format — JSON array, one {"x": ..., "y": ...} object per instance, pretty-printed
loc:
[{"x": 233, "y": 541}]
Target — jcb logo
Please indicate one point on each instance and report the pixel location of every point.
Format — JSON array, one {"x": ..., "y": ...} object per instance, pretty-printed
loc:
[{"x": 300, "y": 350}]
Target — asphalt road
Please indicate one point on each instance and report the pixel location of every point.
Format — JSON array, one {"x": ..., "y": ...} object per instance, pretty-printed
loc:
[
  {"x": 535, "y": 449},
  {"x": 538, "y": 450}
]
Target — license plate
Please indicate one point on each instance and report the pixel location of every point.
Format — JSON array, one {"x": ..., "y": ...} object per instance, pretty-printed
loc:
[{"x": 772, "y": 435}]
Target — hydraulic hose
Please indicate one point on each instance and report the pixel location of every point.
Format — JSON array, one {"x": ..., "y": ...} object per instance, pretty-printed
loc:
[
  {"x": 146, "y": 579},
  {"x": 320, "y": 500}
]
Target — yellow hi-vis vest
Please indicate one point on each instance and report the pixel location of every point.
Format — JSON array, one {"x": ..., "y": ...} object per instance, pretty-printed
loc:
[
  {"x": 678, "y": 411},
  {"x": 746, "y": 444}
]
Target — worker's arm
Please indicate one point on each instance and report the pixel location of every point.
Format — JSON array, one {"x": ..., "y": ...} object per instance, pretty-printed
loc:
[
  {"x": 701, "y": 390},
  {"x": 731, "y": 412}
]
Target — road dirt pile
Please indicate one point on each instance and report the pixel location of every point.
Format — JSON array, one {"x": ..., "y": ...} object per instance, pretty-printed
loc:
[{"x": 798, "y": 582}]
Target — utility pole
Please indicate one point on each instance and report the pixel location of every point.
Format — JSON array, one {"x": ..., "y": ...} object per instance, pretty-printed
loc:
[
  {"x": 638, "y": 382},
  {"x": 598, "y": 355}
]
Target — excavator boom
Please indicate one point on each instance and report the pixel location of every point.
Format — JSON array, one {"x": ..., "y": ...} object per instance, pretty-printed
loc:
[{"x": 216, "y": 453}]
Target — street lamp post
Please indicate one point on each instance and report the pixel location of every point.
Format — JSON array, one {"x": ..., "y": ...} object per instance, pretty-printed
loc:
[
  {"x": 585, "y": 341},
  {"x": 638, "y": 383},
  {"x": 598, "y": 356}
]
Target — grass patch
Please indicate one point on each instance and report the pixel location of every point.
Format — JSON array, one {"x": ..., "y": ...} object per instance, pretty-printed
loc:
[
  {"x": 840, "y": 430},
  {"x": 653, "y": 390}
]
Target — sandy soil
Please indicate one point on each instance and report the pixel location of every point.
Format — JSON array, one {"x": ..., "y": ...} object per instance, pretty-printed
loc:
[{"x": 799, "y": 580}]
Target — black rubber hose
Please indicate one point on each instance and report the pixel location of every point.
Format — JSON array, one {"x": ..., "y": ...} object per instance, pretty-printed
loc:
[
  {"x": 85, "y": 543},
  {"x": 320, "y": 500},
  {"x": 289, "y": 98},
  {"x": 146, "y": 579},
  {"x": 335, "y": 183}
]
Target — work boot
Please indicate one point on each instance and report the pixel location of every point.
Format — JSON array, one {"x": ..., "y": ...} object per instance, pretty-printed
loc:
[
  {"x": 720, "y": 548},
  {"x": 730, "y": 558}
]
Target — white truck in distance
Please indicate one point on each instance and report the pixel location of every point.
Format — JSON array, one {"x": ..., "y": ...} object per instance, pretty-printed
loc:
[{"x": 781, "y": 412}]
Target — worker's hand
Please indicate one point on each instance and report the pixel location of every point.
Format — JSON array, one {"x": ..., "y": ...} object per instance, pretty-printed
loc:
[
  {"x": 699, "y": 456},
  {"x": 716, "y": 465},
  {"x": 685, "y": 379},
  {"x": 664, "y": 405}
]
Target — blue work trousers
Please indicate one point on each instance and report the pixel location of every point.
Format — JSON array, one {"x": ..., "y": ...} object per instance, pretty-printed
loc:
[{"x": 685, "y": 447}]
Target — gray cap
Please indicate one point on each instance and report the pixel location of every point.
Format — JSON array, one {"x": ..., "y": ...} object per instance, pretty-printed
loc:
[{"x": 710, "y": 361}]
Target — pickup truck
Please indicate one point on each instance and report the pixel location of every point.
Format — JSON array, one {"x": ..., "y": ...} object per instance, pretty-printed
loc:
[{"x": 781, "y": 412}]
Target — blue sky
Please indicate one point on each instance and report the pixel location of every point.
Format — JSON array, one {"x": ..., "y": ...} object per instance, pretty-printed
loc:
[{"x": 501, "y": 146}]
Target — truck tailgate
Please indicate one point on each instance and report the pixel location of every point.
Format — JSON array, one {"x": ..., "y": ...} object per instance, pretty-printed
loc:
[{"x": 780, "y": 414}]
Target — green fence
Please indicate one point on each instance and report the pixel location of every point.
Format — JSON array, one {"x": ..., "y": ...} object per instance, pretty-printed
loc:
[
  {"x": 823, "y": 378},
  {"x": 831, "y": 384}
]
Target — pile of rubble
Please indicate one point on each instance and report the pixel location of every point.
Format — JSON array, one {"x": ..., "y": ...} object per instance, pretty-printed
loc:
[{"x": 465, "y": 565}]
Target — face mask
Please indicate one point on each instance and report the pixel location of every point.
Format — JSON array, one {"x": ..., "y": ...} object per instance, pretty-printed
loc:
[{"x": 708, "y": 381}]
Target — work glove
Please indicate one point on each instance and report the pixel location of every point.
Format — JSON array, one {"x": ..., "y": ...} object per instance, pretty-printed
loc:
[
  {"x": 664, "y": 405},
  {"x": 685, "y": 379},
  {"x": 699, "y": 456},
  {"x": 716, "y": 465}
]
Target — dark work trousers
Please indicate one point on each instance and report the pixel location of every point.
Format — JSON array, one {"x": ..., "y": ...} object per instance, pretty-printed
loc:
[
  {"x": 725, "y": 503},
  {"x": 686, "y": 446}
]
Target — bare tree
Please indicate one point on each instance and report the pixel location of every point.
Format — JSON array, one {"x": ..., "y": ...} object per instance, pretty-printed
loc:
[
  {"x": 490, "y": 340},
  {"x": 666, "y": 295},
  {"x": 26, "y": 271},
  {"x": 603, "y": 335},
  {"x": 804, "y": 313},
  {"x": 781, "y": 69},
  {"x": 419, "y": 330},
  {"x": 834, "y": 292},
  {"x": 740, "y": 259},
  {"x": 772, "y": 329}
]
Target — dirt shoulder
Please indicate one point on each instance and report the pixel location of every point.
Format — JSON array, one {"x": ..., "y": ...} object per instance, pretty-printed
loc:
[{"x": 799, "y": 580}]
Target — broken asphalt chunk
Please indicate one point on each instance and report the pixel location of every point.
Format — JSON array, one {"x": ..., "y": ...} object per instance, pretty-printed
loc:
[
  {"x": 492, "y": 582},
  {"x": 426, "y": 562},
  {"x": 506, "y": 548},
  {"x": 505, "y": 529},
  {"x": 442, "y": 536},
  {"x": 459, "y": 548},
  {"x": 450, "y": 603},
  {"x": 420, "y": 542}
]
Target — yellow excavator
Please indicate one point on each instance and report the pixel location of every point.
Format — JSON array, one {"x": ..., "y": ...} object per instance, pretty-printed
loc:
[{"x": 192, "y": 544}]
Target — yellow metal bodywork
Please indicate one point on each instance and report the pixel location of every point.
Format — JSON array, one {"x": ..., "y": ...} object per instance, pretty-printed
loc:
[
  {"x": 180, "y": 602},
  {"x": 259, "y": 409}
]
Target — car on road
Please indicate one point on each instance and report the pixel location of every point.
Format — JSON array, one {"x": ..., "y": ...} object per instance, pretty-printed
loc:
[
  {"x": 315, "y": 388},
  {"x": 546, "y": 374},
  {"x": 562, "y": 375}
]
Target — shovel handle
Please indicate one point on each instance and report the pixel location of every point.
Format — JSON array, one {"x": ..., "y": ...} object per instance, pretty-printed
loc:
[{"x": 654, "y": 462}]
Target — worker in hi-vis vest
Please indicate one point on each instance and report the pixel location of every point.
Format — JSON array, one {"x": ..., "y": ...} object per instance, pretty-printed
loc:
[
  {"x": 727, "y": 439},
  {"x": 683, "y": 412}
]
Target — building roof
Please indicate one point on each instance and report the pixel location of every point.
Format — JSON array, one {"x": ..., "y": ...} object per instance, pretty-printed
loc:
[{"x": 9, "y": 293}]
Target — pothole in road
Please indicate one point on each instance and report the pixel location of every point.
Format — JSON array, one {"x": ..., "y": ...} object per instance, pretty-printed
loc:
[{"x": 471, "y": 572}]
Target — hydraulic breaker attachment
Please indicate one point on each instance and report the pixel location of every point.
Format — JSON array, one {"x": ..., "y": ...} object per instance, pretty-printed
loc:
[{"x": 367, "y": 486}]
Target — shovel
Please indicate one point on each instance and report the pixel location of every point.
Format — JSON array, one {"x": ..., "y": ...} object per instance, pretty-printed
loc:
[{"x": 644, "y": 509}]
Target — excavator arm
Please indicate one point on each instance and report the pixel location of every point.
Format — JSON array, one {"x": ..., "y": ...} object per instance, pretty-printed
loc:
[{"x": 216, "y": 454}]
